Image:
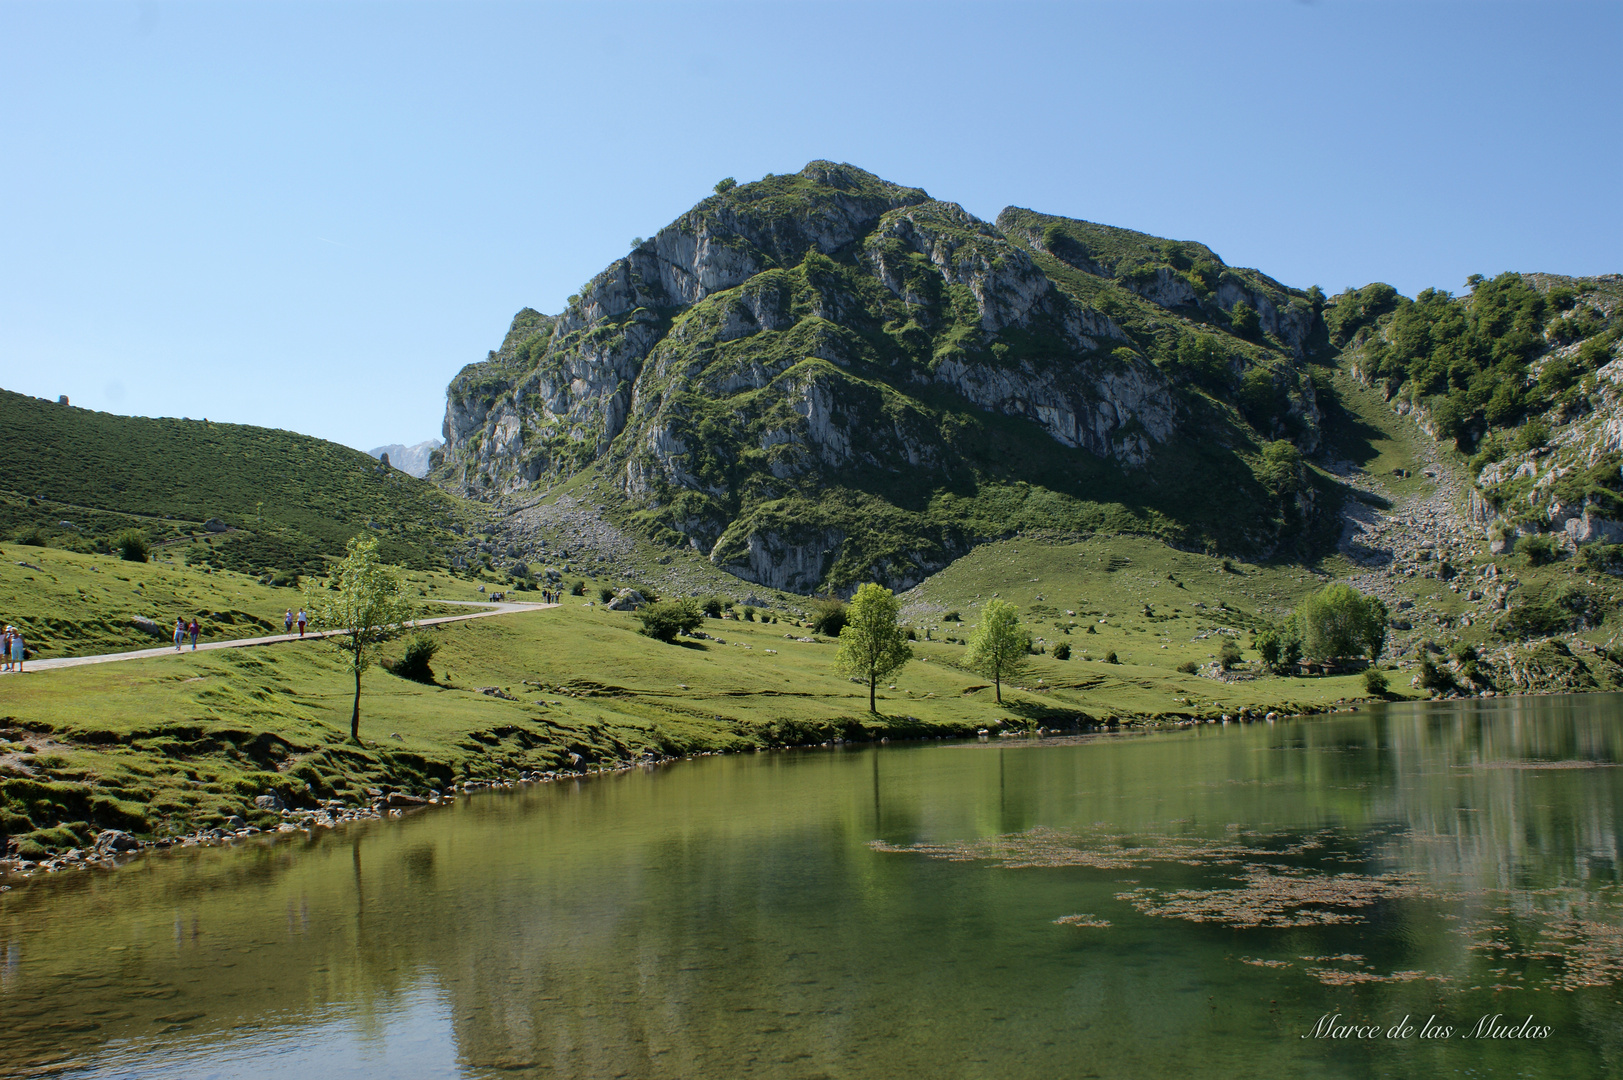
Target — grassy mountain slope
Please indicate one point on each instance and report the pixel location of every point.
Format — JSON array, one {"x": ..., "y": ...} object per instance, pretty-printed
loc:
[{"x": 289, "y": 499}]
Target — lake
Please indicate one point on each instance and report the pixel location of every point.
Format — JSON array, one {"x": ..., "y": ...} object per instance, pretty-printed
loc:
[{"x": 1257, "y": 900}]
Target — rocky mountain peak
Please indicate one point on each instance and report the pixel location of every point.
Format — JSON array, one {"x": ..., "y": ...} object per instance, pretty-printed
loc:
[{"x": 797, "y": 358}]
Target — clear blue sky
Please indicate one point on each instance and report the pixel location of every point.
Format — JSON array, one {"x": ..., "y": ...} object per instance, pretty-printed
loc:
[{"x": 311, "y": 216}]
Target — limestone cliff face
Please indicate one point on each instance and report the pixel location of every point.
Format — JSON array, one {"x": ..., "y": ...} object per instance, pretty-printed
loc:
[{"x": 785, "y": 371}]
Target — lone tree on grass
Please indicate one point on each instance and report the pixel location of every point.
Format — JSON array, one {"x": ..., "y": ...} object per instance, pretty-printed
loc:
[
  {"x": 367, "y": 605},
  {"x": 1001, "y": 647},
  {"x": 872, "y": 645},
  {"x": 1339, "y": 621}
]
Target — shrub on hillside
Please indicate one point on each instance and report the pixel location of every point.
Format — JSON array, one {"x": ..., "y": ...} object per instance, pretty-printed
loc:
[
  {"x": 604, "y": 594},
  {"x": 414, "y": 665},
  {"x": 712, "y": 606},
  {"x": 1243, "y": 320},
  {"x": 1189, "y": 667},
  {"x": 1062, "y": 651},
  {"x": 131, "y": 545},
  {"x": 1375, "y": 682},
  {"x": 578, "y": 589},
  {"x": 662, "y": 621},
  {"x": 1539, "y": 550},
  {"x": 1228, "y": 655},
  {"x": 828, "y": 616},
  {"x": 33, "y": 536},
  {"x": 1110, "y": 657}
]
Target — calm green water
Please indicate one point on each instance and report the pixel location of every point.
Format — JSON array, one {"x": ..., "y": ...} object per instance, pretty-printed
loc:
[{"x": 890, "y": 912}]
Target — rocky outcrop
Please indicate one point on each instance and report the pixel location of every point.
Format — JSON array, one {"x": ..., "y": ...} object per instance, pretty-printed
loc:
[{"x": 808, "y": 334}]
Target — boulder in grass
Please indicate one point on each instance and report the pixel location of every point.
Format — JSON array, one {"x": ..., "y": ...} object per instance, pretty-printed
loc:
[
  {"x": 215, "y": 525},
  {"x": 147, "y": 626}
]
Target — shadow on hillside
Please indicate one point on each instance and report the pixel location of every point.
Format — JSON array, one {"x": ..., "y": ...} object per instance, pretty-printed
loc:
[{"x": 1040, "y": 712}]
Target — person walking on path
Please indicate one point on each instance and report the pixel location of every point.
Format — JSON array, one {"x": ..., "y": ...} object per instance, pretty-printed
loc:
[
  {"x": 302, "y": 621},
  {"x": 287, "y": 623},
  {"x": 180, "y": 633},
  {"x": 5, "y": 648},
  {"x": 192, "y": 631},
  {"x": 18, "y": 650}
]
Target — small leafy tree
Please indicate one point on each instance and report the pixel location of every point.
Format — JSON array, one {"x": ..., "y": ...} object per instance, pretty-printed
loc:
[
  {"x": 712, "y": 607},
  {"x": 366, "y": 603},
  {"x": 1375, "y": 682},
  {"x": 1062, "y": 651},
  {"x": 1001, "y": 647},
  {"x": 725, "y": 184},
  {"x": 872, "y": 644},
  {"x": 663, "y": 620},
  {"x": 131, "y": 545},
  {"x": 1228, "y": 655},
  {"x": 1279, "y": 647},
  {"x": 1339, "y": 621},
  {"x": 1280, "y": 469}
]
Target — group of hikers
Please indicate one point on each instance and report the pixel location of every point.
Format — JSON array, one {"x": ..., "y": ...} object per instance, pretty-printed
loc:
[
  {"x": 183, "y": 629},
  {"x": 12, "y": 649},
  {"x": 288, "y": 618}
]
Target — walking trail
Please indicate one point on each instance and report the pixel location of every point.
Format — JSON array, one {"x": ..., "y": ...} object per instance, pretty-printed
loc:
[{"x": 494, "y": 608}]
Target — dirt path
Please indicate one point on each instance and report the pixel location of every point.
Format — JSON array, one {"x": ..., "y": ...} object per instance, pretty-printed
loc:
[{"x": 504, "y": 608}]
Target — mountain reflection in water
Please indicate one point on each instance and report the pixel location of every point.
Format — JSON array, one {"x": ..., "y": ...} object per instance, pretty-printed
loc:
[{"x": 1186, "y": 904}]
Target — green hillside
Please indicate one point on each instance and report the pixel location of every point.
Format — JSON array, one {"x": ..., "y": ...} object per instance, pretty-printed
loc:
[{"x": 79, "y": 477}]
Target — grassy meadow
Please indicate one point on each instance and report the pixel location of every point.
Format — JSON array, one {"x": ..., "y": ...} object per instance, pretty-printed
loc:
[{"x": 163, "y": 745}]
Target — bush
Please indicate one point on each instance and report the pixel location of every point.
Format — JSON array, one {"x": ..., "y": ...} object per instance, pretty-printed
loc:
[
  {"x": 953, "y": 616},
  {"x": 1062, "y": 651},
  {"x": 414, "y": 665},
  {"x": 34, "y": 537},
  {"x": 1189, "y": 667},
  {"x": 712, "y": 606},
  {"x": 1228, "y": 655},
  {"x": 749, "y": 613},
  {"x": 604, "y": 594},
  {"x": 578, "y": 589},
  {"x": 1539, "y": 550},
  {"x": 1375, "y": 682},
  {"x": 1607, "y": 558},
  {"x": 131, "y": 545},
  {"x": 828, "y": 616},
  {"x": 1533, "y": 434},
  {"x": 1110, "y": 657},
  {"x": 662, "y": 621},
  {"x": 725, "y": 184},
  {"x": 1243, "y": 320},
  {"x": 1433, "y": 677}
]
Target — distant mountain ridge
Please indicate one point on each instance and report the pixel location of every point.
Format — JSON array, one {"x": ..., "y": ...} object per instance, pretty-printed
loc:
[{"x": 411, "y": 460}]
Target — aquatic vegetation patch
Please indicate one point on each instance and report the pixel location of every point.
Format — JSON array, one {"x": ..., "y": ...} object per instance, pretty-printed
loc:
[
  {"x": 1274, "y": 897},
  {"x": 1081, "y": 920},
  {"x": 1103, "y": 850}
]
